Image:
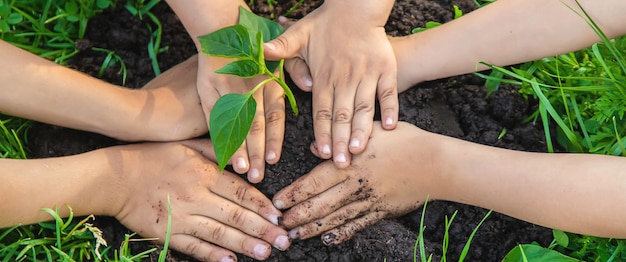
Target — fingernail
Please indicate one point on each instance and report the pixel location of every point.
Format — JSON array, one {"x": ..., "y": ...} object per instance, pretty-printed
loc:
[
  {"x": 260, "y": 251},
  {"x": 307, "y": 81},
  {"x": 329, "y": 238},
  {"x": 254, "y": 174},
  {"x": 273, "y": 219},
  {"x": 270, "y": 156},
  {"x": 282, "y": 243},
  {"x": 341, "y": 158},
  {"x": 241, "y": 163},
  {"x": 279, "y": 204},
  {"x": 326, "y": 150},
  {"x": 282, "y": 19},
  {"x": 355, "y": 143},
  {"x": 269, "y": 46},
  {"x": 227, "y": 259},
  {"x": 389, "y": 121},
  {"x": 294, "y": 233}
]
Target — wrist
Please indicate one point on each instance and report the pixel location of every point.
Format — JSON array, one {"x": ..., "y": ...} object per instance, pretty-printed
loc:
[{"x": 361, "y": 12}]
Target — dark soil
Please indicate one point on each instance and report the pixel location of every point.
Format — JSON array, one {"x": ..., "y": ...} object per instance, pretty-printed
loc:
[{"x": 456, "y": 106}]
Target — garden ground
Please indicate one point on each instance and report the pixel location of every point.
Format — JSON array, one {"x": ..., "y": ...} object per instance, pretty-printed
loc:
[{"x": 457, "y": 107}]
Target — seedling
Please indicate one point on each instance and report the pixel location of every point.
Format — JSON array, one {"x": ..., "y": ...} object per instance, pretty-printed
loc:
[{"x": 232, "y": 115}]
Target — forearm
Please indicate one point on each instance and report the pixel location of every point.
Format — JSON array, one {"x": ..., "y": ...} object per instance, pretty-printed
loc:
[
  {"x": 86, "y": 182},
  {"x": 579, "y": 193},
  {"x": 40, "y": 90},
  {"x": 504, "y": 33},
  {"x": 201, "y": 17}
]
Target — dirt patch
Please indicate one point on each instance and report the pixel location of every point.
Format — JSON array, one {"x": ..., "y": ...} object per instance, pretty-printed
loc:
[{"x": 456, "y": 106}]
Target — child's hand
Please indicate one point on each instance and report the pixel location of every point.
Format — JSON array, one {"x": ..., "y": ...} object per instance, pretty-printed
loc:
[
  {"x": 347, "y": 61},
  {"x": 213, "y": 213},
  {"x": 383, "y": 181}
]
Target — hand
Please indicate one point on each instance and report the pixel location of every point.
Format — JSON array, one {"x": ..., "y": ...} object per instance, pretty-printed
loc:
[
  {"x": 212, "y": 212},
  {"x": 264, "y": 142},
  {"x": 347, "y": 61},
  {"x": 384, "y": 181},
  {"x": 167, "y": 108}
]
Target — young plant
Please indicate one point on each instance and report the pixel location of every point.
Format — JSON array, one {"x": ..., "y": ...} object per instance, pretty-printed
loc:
[{"x": 232, "y": 115}]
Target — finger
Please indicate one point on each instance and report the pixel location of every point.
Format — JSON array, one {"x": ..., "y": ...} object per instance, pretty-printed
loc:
[
  {"x": 325, "y": 203},
  {"x": 200, "y": 249},
  {"x": 286, "y": 22},
  {"x": 343, "y": 110},
  {"x": 388, "y": 100},
  {"x": 229, "y": 237},
  {"x": 321, "y": 178},
  {"x": 239, "y": 160},
  {"x": 203, "y": 146},
  {"x": 287, "y": 45},
  {"x": 236, "y": 190},
  {"x": 337, "y": 218},
  {"x": 362, "y": 122},
  {"x": 314, "y": 149},
  {"x": 299, "y": 73},
  {"x": 274, "y": 122},
  {"x": 343, "y": 233},
  {"x": 255, "y": 141},
  {"x": 323, "y": 115}
]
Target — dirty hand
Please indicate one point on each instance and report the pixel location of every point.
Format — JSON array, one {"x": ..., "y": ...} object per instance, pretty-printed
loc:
[
  {"x": 265, "y": 139},
  {"x": 345, "y": 59},
  {"x": 212, "y": 212},
  {"x": 383, "y": 181}
]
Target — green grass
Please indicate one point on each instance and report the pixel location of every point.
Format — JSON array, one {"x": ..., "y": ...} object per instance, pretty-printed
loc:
[
  {"x": 581, "y": 95},
  {"x": 420, "y": 248}
]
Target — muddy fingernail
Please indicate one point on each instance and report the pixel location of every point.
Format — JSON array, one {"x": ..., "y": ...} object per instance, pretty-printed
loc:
[
  {"x": 260, "y": 251},
  {"x": 273, "y": 219},
  {"x": 294, "y": 233},
  {"x": 279, "y": 204},
  {"x": 326, "y": 150},
  {"x": 227, "y": 259},
  {"x": 329, "y": 238},
  {"x": 282, "y": 243}
]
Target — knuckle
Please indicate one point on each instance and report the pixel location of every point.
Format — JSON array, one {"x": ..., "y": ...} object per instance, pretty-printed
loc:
[
  {"x": 257, "y": 127},
  {"x": 241, "y": 193},
  {"x": 388, "y": 94},
  {"x": 274, "y": 118},
  {"x": 342, "y": 116},
  {"x": 192, "y": 247},
  {"x": 218, "y": 232},
  {"x": 238, "y": 216},
  {"x": 364, "y": 107},
  {"x": 323, "y": 114}
]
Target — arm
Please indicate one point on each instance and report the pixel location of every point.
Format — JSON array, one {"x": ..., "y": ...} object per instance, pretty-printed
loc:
[
  {"x": 264, "y": 142},
  {"x": 503, "y": 33},
  {"x": 40, "y": 90},
  {"x": 341, "y": 53},
  {"x": 131, "y": 183},
  {"x": 546, "y": 189}
]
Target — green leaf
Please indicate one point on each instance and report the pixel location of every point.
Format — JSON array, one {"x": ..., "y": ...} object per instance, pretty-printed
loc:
[
  {"x": 560, "y": 237},
  {"x": 242, "y": 68},
  {"x": 230, "y": 42},
  {"x": 15, "y": 18},
  {"x": 268, "y": 29},
  {"x": 231, "y": 119},
  {"x": 535, "y": 253},
  {"x": 102, "y": 4}
]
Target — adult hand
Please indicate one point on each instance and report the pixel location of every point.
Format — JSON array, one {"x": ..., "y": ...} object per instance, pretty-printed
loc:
[
  {"x": 384, "y": 181},
  {"x": 264, "y": 142},
  {"x": 345, "y": 58},
  {"x": 212, "y": 212}
]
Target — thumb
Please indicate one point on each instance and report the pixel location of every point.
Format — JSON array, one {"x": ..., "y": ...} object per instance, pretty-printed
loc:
[{"x": 284, "y": 46}]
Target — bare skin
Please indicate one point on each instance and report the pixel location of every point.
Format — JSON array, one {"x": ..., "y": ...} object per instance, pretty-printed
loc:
[
  {"x": 214, "y": 214},
  {"x": 264, "y": 142},
  {"x": 539, "y": 188},
  {"x": 545, "y": 189},
  {"x": 330, "y": 54}
]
